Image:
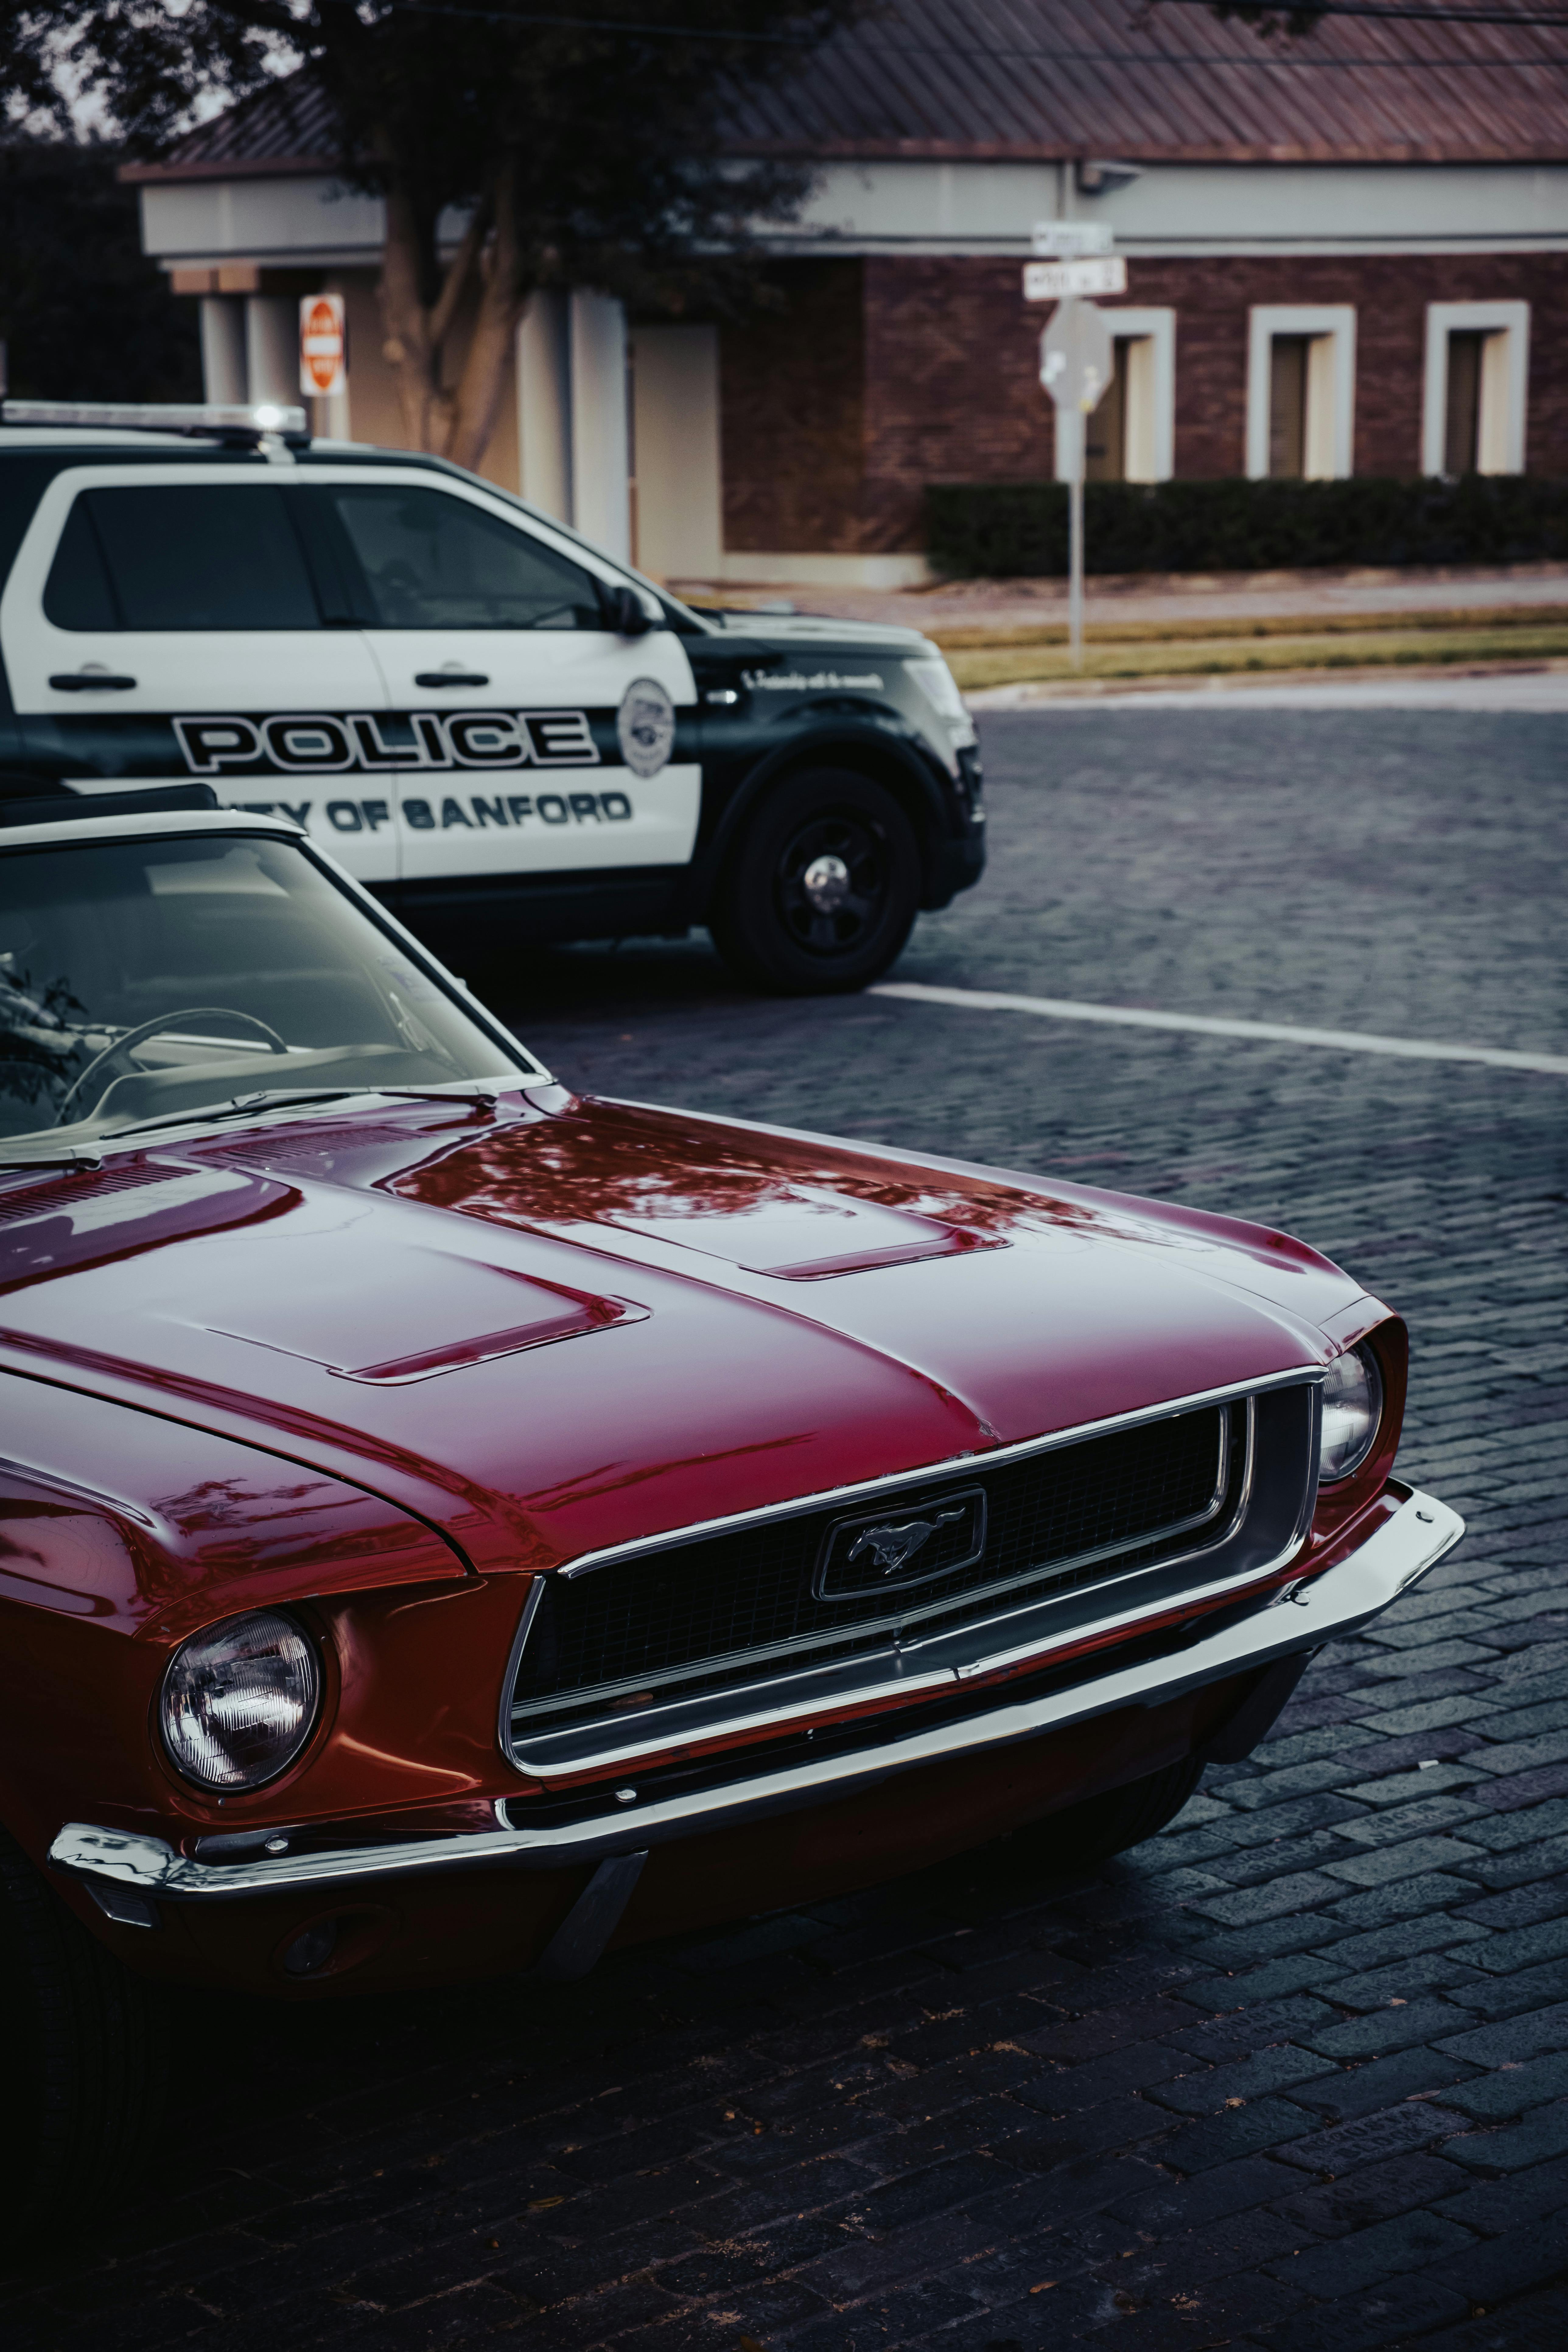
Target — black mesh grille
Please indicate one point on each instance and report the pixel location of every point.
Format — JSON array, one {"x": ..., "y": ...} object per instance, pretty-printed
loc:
[{"x": 736, "y": 1608}]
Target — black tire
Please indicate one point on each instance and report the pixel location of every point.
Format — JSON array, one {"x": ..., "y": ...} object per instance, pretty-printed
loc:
[
  {"x": 777, "y": 933},
  {"x": 83, "y": 2066},
  {"x": 1083, "y": 1835}
]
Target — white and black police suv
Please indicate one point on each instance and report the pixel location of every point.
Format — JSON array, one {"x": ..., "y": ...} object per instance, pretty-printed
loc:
[{"x": 495, "y": 727}]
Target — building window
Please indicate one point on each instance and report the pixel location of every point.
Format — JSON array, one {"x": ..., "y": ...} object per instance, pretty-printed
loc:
[
  {"x": 1477, "y": 366},
  {"x": 1300, "y": 390},
  {"x": 1130, "y": 436}
]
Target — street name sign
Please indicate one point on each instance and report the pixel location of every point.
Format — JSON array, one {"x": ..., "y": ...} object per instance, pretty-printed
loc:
[
  {"x": 1056, "y": 281},
  {"x": 1069, "y": 240}
]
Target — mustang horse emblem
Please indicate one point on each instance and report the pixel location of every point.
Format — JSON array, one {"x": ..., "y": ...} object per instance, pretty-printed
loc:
[{"x": 894, "y": 1547}]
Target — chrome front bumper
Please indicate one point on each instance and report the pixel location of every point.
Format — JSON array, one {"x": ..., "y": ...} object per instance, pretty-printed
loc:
[{"x": 1339, "y": 1602}]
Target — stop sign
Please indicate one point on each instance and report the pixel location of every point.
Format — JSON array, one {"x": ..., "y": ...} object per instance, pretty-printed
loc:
[
  {"x": 323, "y": 345},
  {"x": 1076, "y": 357}
]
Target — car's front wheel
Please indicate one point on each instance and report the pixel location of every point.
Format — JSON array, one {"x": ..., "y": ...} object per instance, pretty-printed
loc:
[
  {"x": 822, "y": 892},
  {"x": 82, "y": 2063}
]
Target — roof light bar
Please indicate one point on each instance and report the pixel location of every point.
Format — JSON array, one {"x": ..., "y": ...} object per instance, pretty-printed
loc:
[{"x": 251, "y": 418}]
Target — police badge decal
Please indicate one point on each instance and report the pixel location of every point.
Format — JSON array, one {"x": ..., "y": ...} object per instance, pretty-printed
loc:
[{"x": 644, "y": 725}]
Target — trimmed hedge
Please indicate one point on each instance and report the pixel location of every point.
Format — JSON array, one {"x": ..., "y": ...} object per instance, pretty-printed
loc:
[{"x": 1006, "y": 530}]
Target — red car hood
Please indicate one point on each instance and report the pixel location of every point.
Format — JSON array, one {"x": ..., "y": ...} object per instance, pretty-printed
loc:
[{"x": 574, "y": 1323}]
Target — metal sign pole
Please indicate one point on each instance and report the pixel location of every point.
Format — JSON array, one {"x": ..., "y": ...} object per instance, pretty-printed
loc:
[
  {"x": 1076, "y": 362},
  {"x": 1075, "y": 556}
]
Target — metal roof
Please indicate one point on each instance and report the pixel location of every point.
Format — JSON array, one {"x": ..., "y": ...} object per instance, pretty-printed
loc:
[{"x": 1145, "y": 80}]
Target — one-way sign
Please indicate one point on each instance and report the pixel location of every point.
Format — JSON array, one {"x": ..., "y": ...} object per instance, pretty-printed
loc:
[{"x": 1057, "y": 281}]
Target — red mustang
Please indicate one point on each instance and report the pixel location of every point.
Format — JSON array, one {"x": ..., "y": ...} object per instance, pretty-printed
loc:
[{"x": 448, "y": 1526}]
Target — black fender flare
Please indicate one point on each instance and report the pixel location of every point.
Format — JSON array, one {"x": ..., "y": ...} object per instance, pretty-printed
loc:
[{"x": 884, "y": 757}]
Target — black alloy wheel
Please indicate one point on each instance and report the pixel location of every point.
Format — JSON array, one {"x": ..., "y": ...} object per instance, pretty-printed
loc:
[{"x": 822, "y": 893}]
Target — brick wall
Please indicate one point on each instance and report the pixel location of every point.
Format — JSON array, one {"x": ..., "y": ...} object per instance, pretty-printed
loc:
[
  {"x": 880, "y": 376},
  {"x": 793, "y": 398}
]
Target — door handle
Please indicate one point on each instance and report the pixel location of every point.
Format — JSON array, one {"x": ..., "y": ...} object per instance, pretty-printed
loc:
[
  {"x": 90, "y": 681},
  {"x": 450, "y": 677}
]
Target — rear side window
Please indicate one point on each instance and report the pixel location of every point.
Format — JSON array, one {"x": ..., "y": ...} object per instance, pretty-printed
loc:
[
  {"x": 206, "y": 556},
  {"x": 434, "y": 562}
]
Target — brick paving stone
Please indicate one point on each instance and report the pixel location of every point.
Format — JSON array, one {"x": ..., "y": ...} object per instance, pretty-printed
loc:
[
  {"x": 1350, "y": 2265},
  {"x": 1493, "y": 2207},
  {"x": 1409, "y": 2305},
  {"x": 1400, "y": 1788},
  {"x": 1542, "y": 2135},
  {"x": 1369, "y": 2137},
  {"x": 1522, "y": 1947},
  {"x": 1536, "y": 2255},
  {"x": 1217, "y": 2139},
  {"x": 1394, "y": 2026},
  {"x": 1530, "y": 1897},
  {"x": 1402, "y": 1980},
  {"x": 1388, "y": 1863},
  {"x": 1219, "y": 2087},
  {"x": 1377, "y": 2193},
  {"x": 1534, "y": 2323},
  {"x": 1361, "y": 2090},
  {"x": 1404, "y": 1899},
  {"x": 1519, "y": 1861},
  {"x": 1517, "y": 1996},
  {"x": 974, "y": 2081}
]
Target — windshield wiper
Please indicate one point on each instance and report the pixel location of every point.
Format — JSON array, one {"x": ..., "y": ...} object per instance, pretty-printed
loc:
[
  {"x": 91, "y": 1154},
  {"x": 277, "y": 1098}
]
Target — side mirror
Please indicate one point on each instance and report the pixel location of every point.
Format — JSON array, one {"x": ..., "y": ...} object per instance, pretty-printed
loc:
[{"x": 626, "y": 613}]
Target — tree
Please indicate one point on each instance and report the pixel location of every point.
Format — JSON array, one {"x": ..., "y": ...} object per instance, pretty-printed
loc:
[
  {"x": 83, "y": 313},
  {"x": 580, "y": 143}
]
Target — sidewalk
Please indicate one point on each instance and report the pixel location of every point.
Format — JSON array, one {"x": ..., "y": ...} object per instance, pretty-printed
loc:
[{"x": 1164, "y": 597}]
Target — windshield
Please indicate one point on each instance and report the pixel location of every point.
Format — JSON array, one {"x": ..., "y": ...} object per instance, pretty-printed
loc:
[{"x": 140, "y": 979}]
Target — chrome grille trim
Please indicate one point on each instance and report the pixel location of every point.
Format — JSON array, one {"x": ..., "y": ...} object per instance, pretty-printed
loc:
[
  {"x": 986, "y": 1597},
  {"x": 741, "y": 1709}
]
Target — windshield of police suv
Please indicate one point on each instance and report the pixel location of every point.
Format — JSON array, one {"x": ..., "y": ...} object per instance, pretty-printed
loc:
[{"x": 144, "y": 979}]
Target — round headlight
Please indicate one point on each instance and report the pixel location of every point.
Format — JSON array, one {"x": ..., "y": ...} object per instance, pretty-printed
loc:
[
  {"x": 240, "y": 1700},
  {"x": 1352, "y": 1408}
]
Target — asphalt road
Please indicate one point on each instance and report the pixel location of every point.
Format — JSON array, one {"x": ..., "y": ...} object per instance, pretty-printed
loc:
[{"x": 1294, "y": 2076}]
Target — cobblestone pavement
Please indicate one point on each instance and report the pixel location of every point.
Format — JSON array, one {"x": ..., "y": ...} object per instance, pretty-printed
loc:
[{"x": 1294, "y": 2076}]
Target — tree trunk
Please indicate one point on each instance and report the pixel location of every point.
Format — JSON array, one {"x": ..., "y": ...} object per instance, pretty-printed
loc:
[
  {"x": 452, "y": 420},
  {"x": 502, "y": 300}
]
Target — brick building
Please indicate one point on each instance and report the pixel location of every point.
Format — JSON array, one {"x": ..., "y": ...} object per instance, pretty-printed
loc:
[{"x": 1346, "y": 255}]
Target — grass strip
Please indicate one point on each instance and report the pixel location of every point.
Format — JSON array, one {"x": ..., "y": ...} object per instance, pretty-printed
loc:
[{"x": 1216, "y": 654}]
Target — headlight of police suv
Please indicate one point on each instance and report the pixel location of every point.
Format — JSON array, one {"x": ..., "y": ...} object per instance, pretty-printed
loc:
[
  {"x": 939, "y": 686},
  {"x": 241, "y": 1700},
  {"x": 1352, "y": 1409}
]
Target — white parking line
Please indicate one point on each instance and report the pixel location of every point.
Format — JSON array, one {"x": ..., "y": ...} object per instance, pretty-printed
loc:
[{"x": 1204, "y": 1025}]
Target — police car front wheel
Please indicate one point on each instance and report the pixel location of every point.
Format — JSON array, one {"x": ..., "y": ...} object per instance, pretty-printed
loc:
[{"x": 822, "y": 892}]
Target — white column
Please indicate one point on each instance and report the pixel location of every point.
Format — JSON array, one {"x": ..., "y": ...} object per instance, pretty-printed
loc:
[
  {"x": 601, "y": 472},
  {"x": 224, "y": 375},
  {"x": 1499, "y": 431},
  {"x": 272, "y": 348},
  {"x": 1320, "y": 440},
  {"x": 544, "y": 406},
  {"x": 675, "y": 409}
]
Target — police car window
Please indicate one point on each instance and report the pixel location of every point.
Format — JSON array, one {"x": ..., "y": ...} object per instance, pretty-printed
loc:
[
  {"x": 218, "y": 967},
  {"x": 434, "y": 562},
  {"x": 198, "y": 556}
]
